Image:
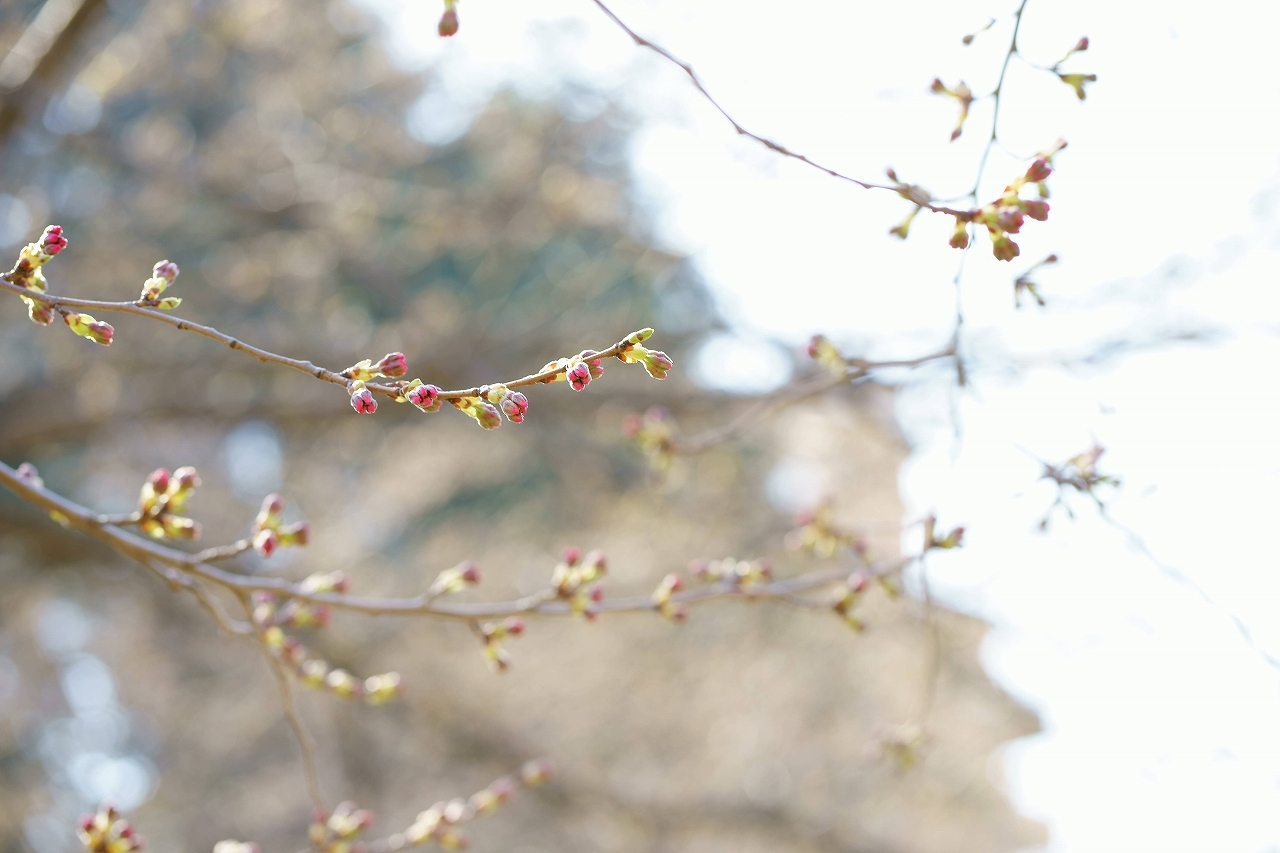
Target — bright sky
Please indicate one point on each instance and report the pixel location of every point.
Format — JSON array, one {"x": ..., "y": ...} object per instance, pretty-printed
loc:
[{"x": 1162, "y": 727}]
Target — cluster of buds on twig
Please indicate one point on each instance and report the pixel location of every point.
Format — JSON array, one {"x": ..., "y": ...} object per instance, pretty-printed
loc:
[
  {"x": 163, "y": 497},
  {"x": 26, "y": 273},
  {"x": 654, "y": 433},
  {"x": 579, "y": 370},
  {"x": 107, "y": 832},
  {"x": 392, "y": 365},
  {"x": 425, "y": 397},
  {"x": 339, "y": 831},
  {"x": 442, "y": 822},
  {"x": 493, "y": 402},
  {"x": 492, "y": 633},
  {"x": 162, "y": 276},
  {"x": 1024, "y": 284},
  {"x": 1075, "y": 81},
  {"x": 271, "y": 618},
  {"x": 913, "y": 193},
  {"x": 1006, "y": 215},
  {"x": 819, "y": 535},
  {"x": 732, "y": 571},
  {"x": 665, "y": 603},
  {"x": 457, "y": 579},
  {"x": 848, "y": 595},
  {"x": 449, "y": 20},
  {"x": 954, "y": 538},
  {"x": 1080, "y": 474},
  {"x": 270, "y": 533},
  {"x": 578, "y": 580},
  {"x": 962, "y": 95}
]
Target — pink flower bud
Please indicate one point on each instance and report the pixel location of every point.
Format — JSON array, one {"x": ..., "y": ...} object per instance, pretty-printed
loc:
[
  {"x": 448, "y": 22},
  {"x": 294, "y": 534},
  {"x": 486, "y": 414},
  {"x": 425, "y": 397},
  {"x": 87, "y": 327},
  {"x": 185, "y": 479},
  {"x": 469, "y": 572},
  {"x": 514, "y": 406},
  {"x": 1003, "y": 248},
  {"x": 570, "y": 556},
  {"x": 657, "y": 364},
  {"x": 27, "y": 473},
  {"x": 1039, "y": 170},
  {"x": 270, "y": 513},
  {"x": 514, "y": 626},
  {"x": 166, "y": 270},
  {"x": 362, "y": 400},
  {"x": 265, "y": 542},
  {"x": 1037, "y": 210},
  {"x": 594, "y": 365},
  {"x": 579, "y": 376},
  {"x": 393, "y": 364},
  {"x": 1081, "y": 45},
  {"x": 51, "y": 241},
  {"x": 1010, "y": 220},
  {"x": 159, "y": 480}
]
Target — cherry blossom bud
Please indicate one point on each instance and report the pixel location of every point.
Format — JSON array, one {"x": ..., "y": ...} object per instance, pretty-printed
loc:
[
  {"x": 326, "y": 582},
  {"x": 1037, "y": 210},
  {"x": 960, "y": 236},
  {"x": 41, "y": 313},
  {"x": 87, "y": 327},
  {"x": 1003, "y": 248},
  {"x": 362, "y": 400},
  {"x": 456, "y": 579},
  {"x": 167, "y": 270},
  {"x": 579, "y": 376},
  {"x": 1081, "y": 45},
  {"x": 52, "y": 241},
  {"x": 1039, "y": 170},
  {"x": 392, "y": 364},
  {"x": 514, "y": 406},
  {"x": 448, "y": 21},
  {"x": 570, "y": 556},
  {"x": 425, "y": 397},
  {"x": 271, "y": 513},
  {"x": 265, "y": 542},
  {"x": 486, "y": 414},
  {"x": 292, "y": 535},
  {"x": 594, "y": 365}
]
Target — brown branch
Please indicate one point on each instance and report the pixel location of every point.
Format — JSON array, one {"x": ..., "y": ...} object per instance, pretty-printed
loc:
[
  {"x": 267, "y": 357},
  {"x": 786, "y": 397},
  {"x": 913, "y": 194}
]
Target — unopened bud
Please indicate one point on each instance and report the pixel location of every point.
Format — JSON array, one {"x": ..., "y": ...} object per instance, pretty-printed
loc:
[
  {"x": 87, "y": 327},
  {"x": 392, "y": 364},
  {"x": 425, "y": 397},
  {"x": 579, "y": 376},
  {"x": 362, "y": 400},
  {"x": 52, "y": 241},
  {"x": 448, "y": 22}
]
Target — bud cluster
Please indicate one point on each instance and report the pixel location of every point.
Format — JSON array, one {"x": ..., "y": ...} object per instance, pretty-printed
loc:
[
  {"x": 1075, "y": 81},
  {"x": 441, "y": 824},
  {"x": 162, "y": 498},
  {"x": 162, "y": 275},
  {"x": 107, "y": 832},
  {"x": 425, "y": 397},
  {"x": 457, "y": 579},
  {"x": 339, "y": 831},
  {"x": 656, "y": 363},
  {"x": 665, "y": 603},
  {"x": 392, "y": 365},
  {"x": 741, "y": 573},
  {"x": 578, "y": 580},
  {"x": 1006, "y": 215},
  {"x": 271, "y": 617},
  {"x": 270, "y": 533},
  {"x": 26, "y": 273},
  {"x": 823, "y": 351},
  {"x": 962, "y": 95},
  {"x": 492, "y": 633},
  {"x": 449, "y": 20},
  {"x": 579, "y": 370},
  {"x": 819, "y": 535},
  {"x": 654, "y": 433},
  {"x": 480, "y": 410}
]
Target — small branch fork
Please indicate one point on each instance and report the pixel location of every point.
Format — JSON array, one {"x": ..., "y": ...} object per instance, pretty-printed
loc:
[{"x": 394, "y": 391}]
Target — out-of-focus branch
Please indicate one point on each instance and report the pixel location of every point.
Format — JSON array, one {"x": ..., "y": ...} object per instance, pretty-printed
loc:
[{"x": 37, "y": 58}]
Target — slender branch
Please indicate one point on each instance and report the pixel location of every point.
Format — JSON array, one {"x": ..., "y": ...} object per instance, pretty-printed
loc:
[
  {"x": 543, "y": 603},
  {"x": 912, "y": 194},
  {"x": 267, "y": 357},
  {"x": 786, "y": 397},
  {"x": 305, "y": 742}
]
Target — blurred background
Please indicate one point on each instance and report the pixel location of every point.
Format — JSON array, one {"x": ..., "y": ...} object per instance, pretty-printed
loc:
[{"x": 337, "y": 182}]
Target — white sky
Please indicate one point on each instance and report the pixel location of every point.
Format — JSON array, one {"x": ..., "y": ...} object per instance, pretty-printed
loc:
[{"x": 1162, "y": 728}]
